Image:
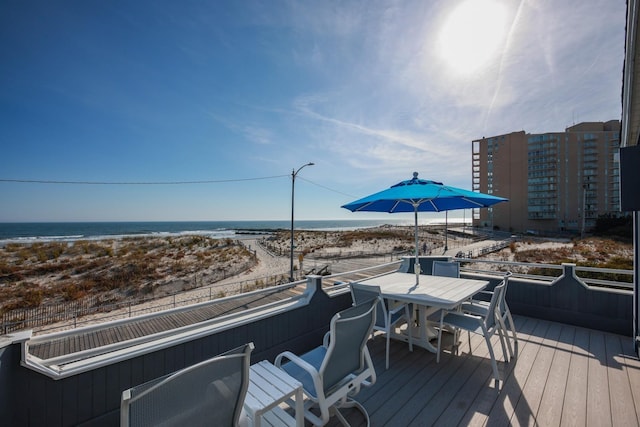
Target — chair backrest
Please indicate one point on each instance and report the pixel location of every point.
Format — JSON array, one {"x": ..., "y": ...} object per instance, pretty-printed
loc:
[
  {"x": 212, "y": 391},
  {"x": 490, "y": 317},
  {"x": 445, "y": 268},
  {"x": 349, "y": 332},
  {"x": 363, "y": 293},
  {"x": 502, "y": 304}
]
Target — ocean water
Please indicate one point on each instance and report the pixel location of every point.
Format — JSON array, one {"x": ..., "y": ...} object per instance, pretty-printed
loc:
[{"x": 71, "y": 231}]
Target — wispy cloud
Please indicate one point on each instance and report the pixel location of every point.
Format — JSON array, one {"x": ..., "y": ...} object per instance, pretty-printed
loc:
[{"x": 254, "y": 133}]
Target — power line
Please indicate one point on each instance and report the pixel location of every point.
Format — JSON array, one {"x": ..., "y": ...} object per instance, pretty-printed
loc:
[
  {"x": 327, "y": 188},
  {"x": 212, "y": 181}
]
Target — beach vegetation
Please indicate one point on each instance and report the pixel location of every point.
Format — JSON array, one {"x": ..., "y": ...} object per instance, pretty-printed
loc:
[
  {"x": 23, "y": 296},
  {"x": 74, "y": 291},
  {"x": 32, "y": 298},
  {"x": 6, "y": 268},
  {"x": 589, "y": 252},
  {"x": 13, "y": 247},
  {"x": 37, "y": 274}
]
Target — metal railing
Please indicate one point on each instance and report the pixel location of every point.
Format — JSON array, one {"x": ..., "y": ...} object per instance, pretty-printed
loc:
[{"x": 550, "y": 272}]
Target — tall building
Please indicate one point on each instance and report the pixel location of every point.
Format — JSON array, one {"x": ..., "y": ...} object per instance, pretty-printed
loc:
[{"x": 557, "y": 181}]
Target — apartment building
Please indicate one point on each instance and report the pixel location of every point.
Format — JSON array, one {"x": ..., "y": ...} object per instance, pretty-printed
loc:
[{"x": 557, "y": 181}]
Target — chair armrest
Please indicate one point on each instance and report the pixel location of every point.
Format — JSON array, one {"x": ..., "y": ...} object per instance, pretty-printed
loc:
[
  {"x": 399, "y": 308},
  {"x": 296, "y": 360},
  {"x": 482, "y": 296},
  {"x": 325, "y": 339}
]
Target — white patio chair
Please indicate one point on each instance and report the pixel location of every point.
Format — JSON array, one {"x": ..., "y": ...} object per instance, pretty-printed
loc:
[
  {"x": 480, "y": 308},
  {"x": 334, "y": 372},
  {"x": 486, "y": 326},
  {"x": 445, "y": 268},
  {"x": 386, "y": 318},
  {"x": 209, "y": 392}
]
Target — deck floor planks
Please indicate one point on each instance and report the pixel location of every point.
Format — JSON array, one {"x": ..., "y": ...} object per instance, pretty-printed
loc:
[
  {"x": 486, "y": 398},
  {"x": 407, "y": 377},
  {"x": 632, "y": 365},
  {"x": 550, "y": 410},
  {"x": 512, "y": 389},
  {"x": 598, "y": 403},
  {"x": 619, "y": 387},
  {"x": 407, "y": 383},
  {"x": 430, "y": 400},
  {"x": 537, "y": 379},
  {"x": 420, "y": 383},
  {"x": 458, "y": 393},
  {"x": 414, "y": 375},
  {"x": 574, "y": 408}
]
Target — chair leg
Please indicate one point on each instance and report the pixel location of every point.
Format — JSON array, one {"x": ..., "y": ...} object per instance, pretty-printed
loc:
[
  {"x": 494, "y": 363},
  {"x": 501, "y": 334},
  {"x": 513, "y": 331},
  {"x": 505, "y": 333},
  {"x": 388, "y": 336},
  {"x": 440, "y": 335},
  {"x": 350, "y": 403}
]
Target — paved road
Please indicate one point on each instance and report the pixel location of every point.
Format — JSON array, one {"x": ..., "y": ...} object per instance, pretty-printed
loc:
[{"x": 268, "y": 265}]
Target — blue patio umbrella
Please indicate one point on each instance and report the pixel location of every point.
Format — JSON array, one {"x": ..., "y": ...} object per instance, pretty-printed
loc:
[{"x": 421, "y": 195}]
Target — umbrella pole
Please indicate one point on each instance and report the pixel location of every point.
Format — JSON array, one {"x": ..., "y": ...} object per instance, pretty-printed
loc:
[{"x": 416, "y": 266}]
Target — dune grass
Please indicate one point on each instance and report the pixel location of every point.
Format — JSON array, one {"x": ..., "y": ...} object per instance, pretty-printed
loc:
[{"x": 41, "y": 273}]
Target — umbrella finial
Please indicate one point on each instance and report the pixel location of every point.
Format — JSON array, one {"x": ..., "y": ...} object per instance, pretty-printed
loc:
[{"x": 415, "y": 175}]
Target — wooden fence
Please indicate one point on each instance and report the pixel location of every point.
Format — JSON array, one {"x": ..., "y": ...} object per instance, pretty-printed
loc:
[{"x": 73, "y": 311}]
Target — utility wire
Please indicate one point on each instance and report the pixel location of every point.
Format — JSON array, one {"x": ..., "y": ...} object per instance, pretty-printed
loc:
[
  {"x": 47, "y": 181},
  {"x": 327, "y": 188},
  {"x": 217, "y": 181}
]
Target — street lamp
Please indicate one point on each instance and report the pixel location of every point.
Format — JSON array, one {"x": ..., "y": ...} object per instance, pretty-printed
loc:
[{"x": 294, "y": 173}]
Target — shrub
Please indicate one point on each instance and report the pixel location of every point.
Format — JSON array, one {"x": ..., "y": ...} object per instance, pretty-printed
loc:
[
  {"x": 32, "y": 298},
  {"x": 73, "y": 292}
]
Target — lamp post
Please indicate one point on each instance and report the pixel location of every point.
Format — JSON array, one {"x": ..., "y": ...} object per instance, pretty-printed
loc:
[{"x": 294, "y": 173}]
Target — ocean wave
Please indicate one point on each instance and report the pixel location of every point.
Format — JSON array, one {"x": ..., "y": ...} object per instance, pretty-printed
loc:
[{"x": 215, "y": 234}]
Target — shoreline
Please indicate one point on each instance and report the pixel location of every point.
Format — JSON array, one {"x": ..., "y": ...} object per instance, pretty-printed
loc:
[{"x": 45, "y": 232}]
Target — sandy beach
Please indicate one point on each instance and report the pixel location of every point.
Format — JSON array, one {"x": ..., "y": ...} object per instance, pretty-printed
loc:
[{"x": 159, "y": 269}]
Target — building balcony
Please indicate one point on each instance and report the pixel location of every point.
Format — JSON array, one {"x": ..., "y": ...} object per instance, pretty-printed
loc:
[{"x": 575, "y": 358}]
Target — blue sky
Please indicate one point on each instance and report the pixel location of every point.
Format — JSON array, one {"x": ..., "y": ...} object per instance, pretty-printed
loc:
[{"x": 239, "y": 93}]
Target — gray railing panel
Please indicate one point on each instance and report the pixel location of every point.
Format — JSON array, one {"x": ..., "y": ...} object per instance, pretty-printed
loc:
[{"x": 569, "y": 301}]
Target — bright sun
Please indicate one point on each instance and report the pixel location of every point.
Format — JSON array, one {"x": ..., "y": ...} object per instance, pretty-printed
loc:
[{"x": 472, "y": 34}]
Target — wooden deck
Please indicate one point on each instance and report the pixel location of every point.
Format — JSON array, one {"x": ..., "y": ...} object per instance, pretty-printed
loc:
[
  {"x": 82, "y": 340},
  {"x": 563, "y": 376}
]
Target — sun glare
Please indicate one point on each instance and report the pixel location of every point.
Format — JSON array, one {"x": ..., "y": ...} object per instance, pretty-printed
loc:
[{"x": 471, "y": 35}]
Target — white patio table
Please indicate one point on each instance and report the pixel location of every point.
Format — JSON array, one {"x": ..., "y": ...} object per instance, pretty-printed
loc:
[{"x": 430, "y": 295}]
